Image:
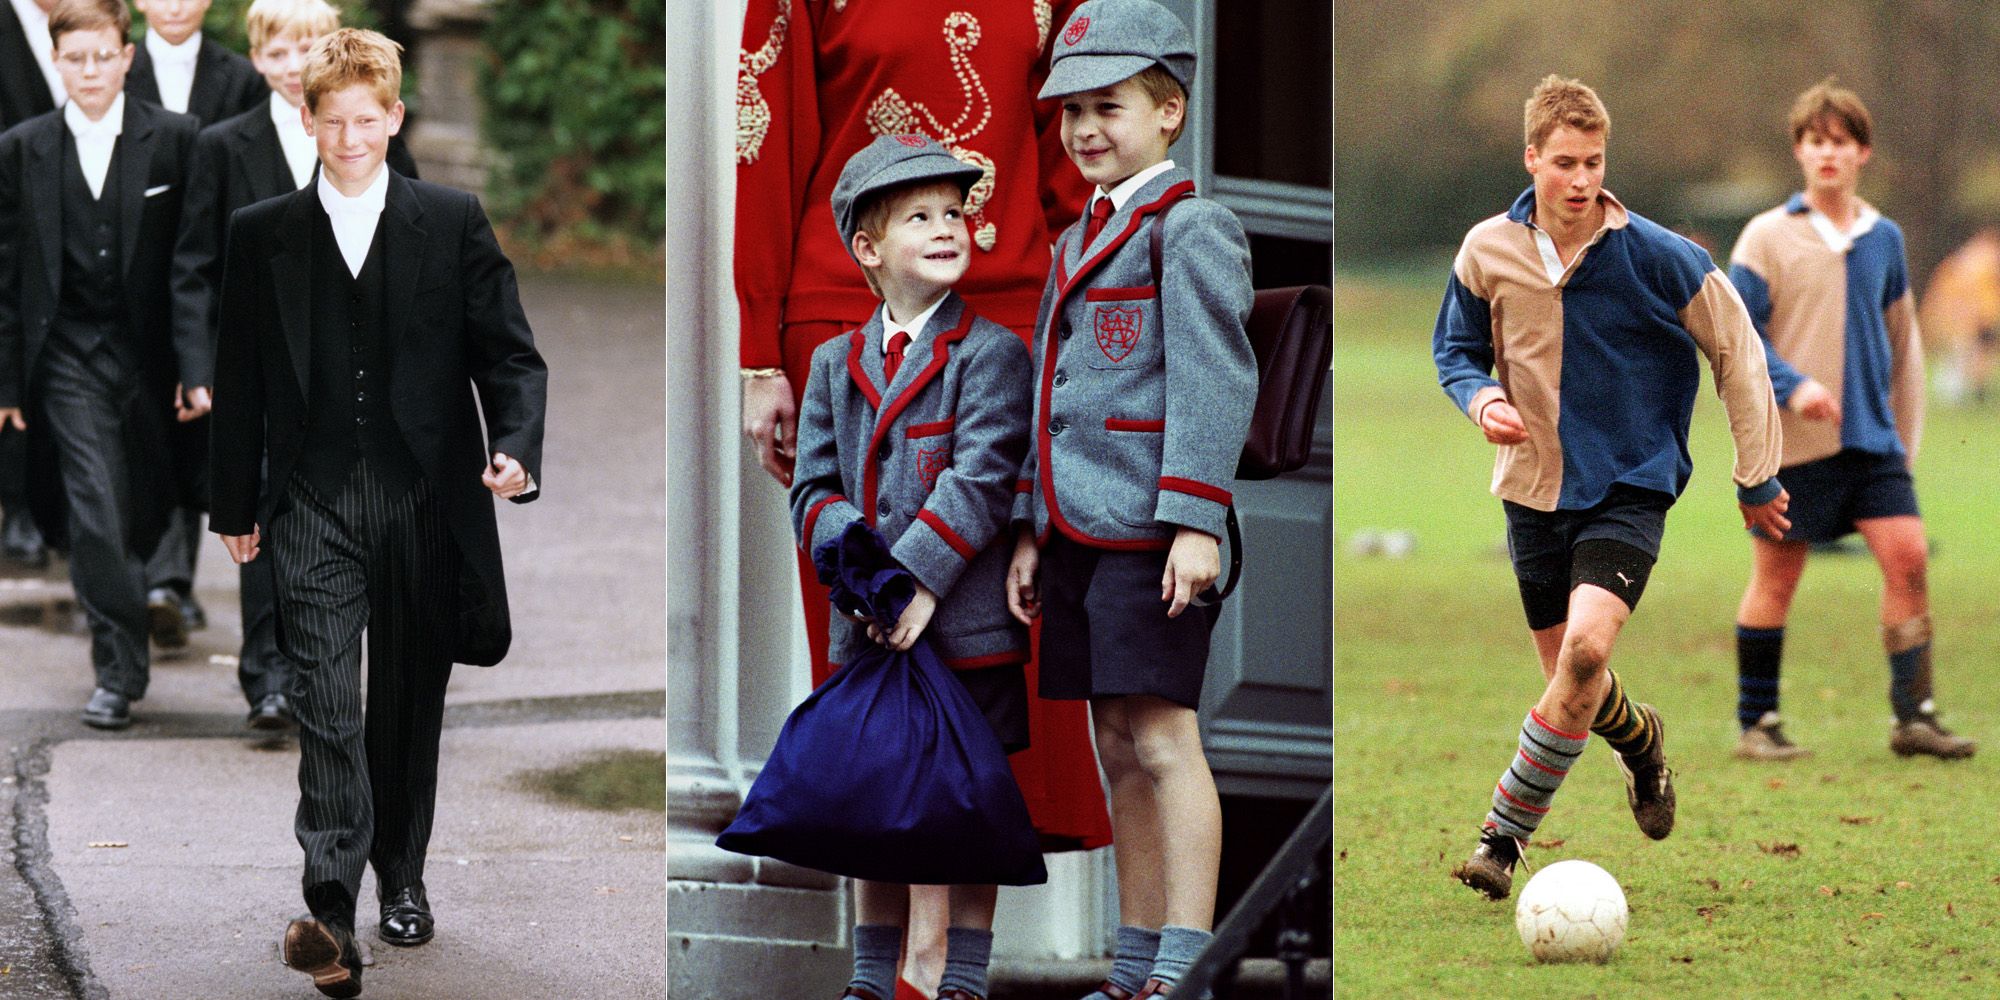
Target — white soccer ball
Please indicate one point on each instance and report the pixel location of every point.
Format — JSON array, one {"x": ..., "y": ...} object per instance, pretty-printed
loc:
[{"x": 1571, "y": 911}]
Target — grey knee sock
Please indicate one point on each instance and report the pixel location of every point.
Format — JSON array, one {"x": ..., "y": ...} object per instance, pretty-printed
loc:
[
  {"x": 966, "y": 954},
  {"x": 1133, "y": 960},
  {"x": 1178, "y": 948},
  {"x": 876, "y": 949}
]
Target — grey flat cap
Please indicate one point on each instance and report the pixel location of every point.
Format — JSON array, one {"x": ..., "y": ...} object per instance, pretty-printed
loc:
[
  {"x": 1107, "y": 41},
  {"x": 893, "y": 161}
]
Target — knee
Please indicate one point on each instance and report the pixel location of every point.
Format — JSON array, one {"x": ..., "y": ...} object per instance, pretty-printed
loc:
[
  {"x": 1159, "y": 753},
  {"x": 1908, "y": 569},
  {"x": 1584, "y": 655}
]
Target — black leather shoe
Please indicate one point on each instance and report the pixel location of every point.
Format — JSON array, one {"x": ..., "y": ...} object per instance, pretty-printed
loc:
[
  {"x": 107, "y": 710},
  {"x": 163, "y": 618},
  {"x": 21, "y": 541},
  {"x": 406, "y": 917},
  {"x": 326, "y": 952},
  {"x": 192, "y": 613},
  {"x": 273, "y": 713}
]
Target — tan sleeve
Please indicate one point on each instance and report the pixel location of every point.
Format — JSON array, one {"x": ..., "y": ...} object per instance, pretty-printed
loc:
[
  {"x": 1721, "y": 328},
  {"x": 1906, "y": 367}
]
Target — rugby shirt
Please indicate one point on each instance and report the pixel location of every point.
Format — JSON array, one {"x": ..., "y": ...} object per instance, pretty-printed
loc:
[
  {"x": 1601, "y": 358},
  {"x": 1836, "y": 308}
]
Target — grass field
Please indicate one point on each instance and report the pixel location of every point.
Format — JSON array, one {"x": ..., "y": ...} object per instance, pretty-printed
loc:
[{"x": 1850, "y": 874}]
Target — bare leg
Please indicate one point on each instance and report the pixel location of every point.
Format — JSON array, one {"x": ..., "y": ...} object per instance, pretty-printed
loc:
[
  {"x": 1135, "y": 823},
  {"x": 1775, "y": 569},
  {"x": 1574, "y": 694},
  {"x": 924, "y": 943},
  {"x": 1904, "y": 556},
  {"x": 1167, "y": 740}
]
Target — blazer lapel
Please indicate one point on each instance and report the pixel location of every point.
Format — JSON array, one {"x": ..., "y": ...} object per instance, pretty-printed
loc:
[
  {"x": 864, "y": 359},
  {"x": 291, "y": 276},
  {"x": 910, "y": 378},
  {"x": 262, "y": 158},
  {"x": 135, "y": 155},
  {"x": 202, "y": 94},
  {"x": 45, "y": 181},
  {"x": 402, "y": 257},
  {"x": 1122, "y": 225},
  {"x": 140, "y": 82}
]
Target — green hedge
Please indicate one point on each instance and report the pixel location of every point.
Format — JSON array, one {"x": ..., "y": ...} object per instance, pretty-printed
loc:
[{"x": 575, "y": 101}]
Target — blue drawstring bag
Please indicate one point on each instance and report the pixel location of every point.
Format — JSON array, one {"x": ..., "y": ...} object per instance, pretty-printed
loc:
[{"x": 889, "y": 771}]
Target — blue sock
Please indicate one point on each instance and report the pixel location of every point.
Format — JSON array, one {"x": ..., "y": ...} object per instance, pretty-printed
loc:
[
  {"x": 1758, "y": 653},
  {"x": 1179, "y": 946},
  {"x": 1909, "y": 648},
  {"x": 967, "y": 950},
  {"x": 1133, "y": 961},
  {"x": 876, "y": 949}
]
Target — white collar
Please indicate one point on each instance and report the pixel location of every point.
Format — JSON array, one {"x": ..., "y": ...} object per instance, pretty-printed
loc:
[
  {"x": 284, "y": 115},
  {"x": 167, "y": 52},
  {"x": 111, "y": 126},
  {"x": 915, "y": 327},
  {"x": 1830, "y": 233},
  {"x": 1131, "y": 185},
  {"x": 367, "y": 202}
]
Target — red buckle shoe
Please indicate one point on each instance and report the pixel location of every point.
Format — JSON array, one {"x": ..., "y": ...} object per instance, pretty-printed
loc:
[{"x": 1155, "y": 988}]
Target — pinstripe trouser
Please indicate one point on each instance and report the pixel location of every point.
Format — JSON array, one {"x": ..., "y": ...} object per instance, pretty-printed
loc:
[{"x": 385, "y": 561}]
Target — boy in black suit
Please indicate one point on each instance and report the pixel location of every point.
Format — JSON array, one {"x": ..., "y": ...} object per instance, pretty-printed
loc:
[
  {"x": 90, "y": 362},
  {"x": 29, "y": 86},
  {"x": 358, "y": 317}
]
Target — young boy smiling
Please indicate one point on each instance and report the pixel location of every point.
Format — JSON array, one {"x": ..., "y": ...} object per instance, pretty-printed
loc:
[
  {"x": 1825, "y": 279},
  {"x": 915, "y": 424},
  {"x": 1144, "y": 385}
]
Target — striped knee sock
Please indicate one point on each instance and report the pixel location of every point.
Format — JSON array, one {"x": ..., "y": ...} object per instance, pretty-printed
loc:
[
  {"x": 1522, "y": 797},
  {"x": 1622, "y": 726},
  {"x": 1909, "y": 648},
  {"x": 1758, "y": 653}
]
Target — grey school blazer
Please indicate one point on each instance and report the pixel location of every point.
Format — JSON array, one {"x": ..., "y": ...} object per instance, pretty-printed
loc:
[
  {"x": 928, "y": 460},
  {"x": 1142, "y": 400}
]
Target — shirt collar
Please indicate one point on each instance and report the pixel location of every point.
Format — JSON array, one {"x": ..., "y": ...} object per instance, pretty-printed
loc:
[
  {"x": 1615, "y": 214},
  {"x": 915, "y": 328},
  {"x": 110, "y": 126},
  {"x": 1131, "y": 185},
  {"x": 284, "y": 115},
  {"x": 1839, "y": 242},
  {"x": 368, "y": 202},
  {"x": 164, "y": 51}
]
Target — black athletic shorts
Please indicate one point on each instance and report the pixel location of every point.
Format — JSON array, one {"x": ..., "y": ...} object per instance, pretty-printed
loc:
[
  {"x": 1105, "y": 630},
  {"x": 1830, "y": 494},
  {"x": 1611, "y": 545}
]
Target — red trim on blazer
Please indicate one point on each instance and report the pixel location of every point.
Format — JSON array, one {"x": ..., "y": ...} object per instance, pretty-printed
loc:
[
  {"x": 1052, "y": 345},
  {"x": 932, "y": 429},
  {"x": 1121, "y": 424},
  {"x": 1024, "y": 486},
  {"x": 812, "y": 518},
  {"x": 860, "y": 375},
  {"x": 952, "y": 538},
  {"x": 1119, "y": 294},
  {"x": 1195, "y": 489},
  {"x": 989, "y": 660},
  {"x": 871, "y": 463}
]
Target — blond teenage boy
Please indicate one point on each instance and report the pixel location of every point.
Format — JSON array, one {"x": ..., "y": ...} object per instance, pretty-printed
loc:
[
  {"x": 1143, "y": 391},
  {"x": 1571, "y": 334},
  {"x": 1825, "y": 279},
  {"x": 181, "y": 69},
  {"x": 369, "y": 324}
]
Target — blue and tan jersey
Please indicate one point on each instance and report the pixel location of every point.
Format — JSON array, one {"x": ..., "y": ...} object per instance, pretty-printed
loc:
[
  {"x": 1601, "y": 357},
  {"x": 1835, "y": 307}
]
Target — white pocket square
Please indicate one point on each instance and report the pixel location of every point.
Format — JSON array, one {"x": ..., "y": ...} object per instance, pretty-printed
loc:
[{"x": 153, "y": 191}]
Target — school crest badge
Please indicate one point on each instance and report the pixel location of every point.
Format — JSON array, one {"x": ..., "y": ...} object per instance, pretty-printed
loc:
[
  {"x": 1076, "y": 31},
  {"x": 1118, "y": 330},
  {"x": 931, "y": 463}
]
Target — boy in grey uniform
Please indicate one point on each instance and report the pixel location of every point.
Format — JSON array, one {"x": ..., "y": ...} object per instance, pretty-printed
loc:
[
  {"x": 916, "y": 423},
  {"x": 1143, "y": 398}
]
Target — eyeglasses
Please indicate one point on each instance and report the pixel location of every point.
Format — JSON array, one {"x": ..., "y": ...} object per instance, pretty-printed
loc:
[{"x": 78, "y": 60}]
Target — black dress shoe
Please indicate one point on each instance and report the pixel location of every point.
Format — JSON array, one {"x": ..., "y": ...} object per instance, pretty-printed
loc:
[
  {"x": 273, "y": 712},
  {"x": 406, "y": 917},
  {"x": 192, "y": 616},
  {"x": 107, "y": 710},
  {"x": 21, "y": 541},
  {"x": 326, "y": 952},
  {"x": 163, "y": 618}
]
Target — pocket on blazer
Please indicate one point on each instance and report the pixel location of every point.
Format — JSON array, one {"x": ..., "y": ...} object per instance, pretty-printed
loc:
[
  {"x": 932, "y": 450},
  {"x": 1123, "y": 327}
]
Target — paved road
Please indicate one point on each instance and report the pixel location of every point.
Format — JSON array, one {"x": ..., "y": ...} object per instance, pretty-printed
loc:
[{"x": 534, "y": 897}]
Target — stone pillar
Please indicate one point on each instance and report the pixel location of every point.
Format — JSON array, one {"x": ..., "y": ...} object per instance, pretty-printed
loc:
[{"x": 445, "y": 139}]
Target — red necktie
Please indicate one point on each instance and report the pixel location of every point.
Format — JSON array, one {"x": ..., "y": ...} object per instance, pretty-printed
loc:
[
  {"x": 1100, "y": 210},
  {"x": 894, "y": 360}
]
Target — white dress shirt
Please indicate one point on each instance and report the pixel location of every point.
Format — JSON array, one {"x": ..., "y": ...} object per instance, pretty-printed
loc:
[
  {"x": 300, "y": 153},
  {"x": 354, "y": 219},
  {"x": 96, "y": 140},
  {"x": 915, "y": 327},
  {"x": 1131, "y": 185},
  {"x": 35, "y": 28},
  {"x": 173, "y": 68}
]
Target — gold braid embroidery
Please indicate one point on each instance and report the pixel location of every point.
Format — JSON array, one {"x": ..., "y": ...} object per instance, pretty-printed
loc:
[
  {"x": 891, "y": 114},
  {"x": 753, "y": 114},
  {"x": 1044, "y": 13}
]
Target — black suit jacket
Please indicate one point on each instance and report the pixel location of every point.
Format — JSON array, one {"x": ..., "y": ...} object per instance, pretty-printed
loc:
[
  {"x": 24, "y": 91},
  {"x": 225, "y": 84},
  {"x": 153, "y": 153},
  {"x": 459, "y": 347}
]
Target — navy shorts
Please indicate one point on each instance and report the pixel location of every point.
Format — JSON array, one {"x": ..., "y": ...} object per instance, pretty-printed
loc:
[
  {"x": 1002, "y": 694},
  {"x": 1830, "y": 494},
  {"x": 1105, "y": 631},
  {"x": 1611, "y": 545}
]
